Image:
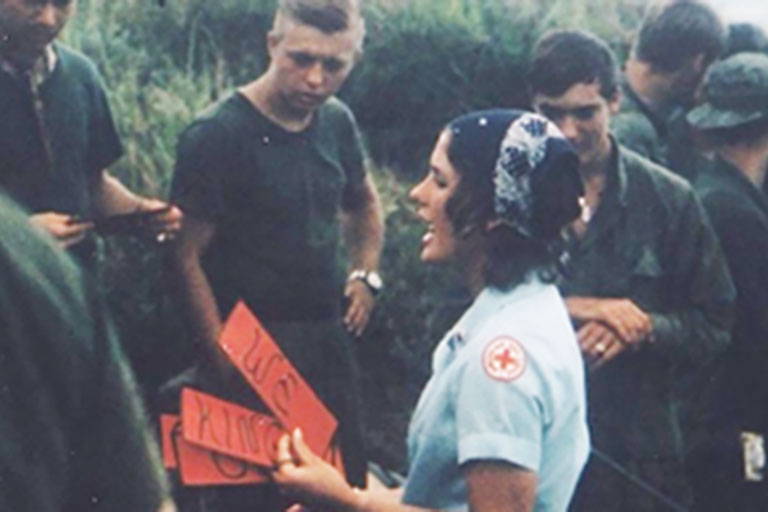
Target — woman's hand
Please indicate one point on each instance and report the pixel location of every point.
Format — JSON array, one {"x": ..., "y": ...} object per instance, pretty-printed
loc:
[{"x": 307, "y": 477}]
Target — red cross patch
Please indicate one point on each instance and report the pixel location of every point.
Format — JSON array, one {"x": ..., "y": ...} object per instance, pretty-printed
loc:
[{"x": 504, "y": 359}]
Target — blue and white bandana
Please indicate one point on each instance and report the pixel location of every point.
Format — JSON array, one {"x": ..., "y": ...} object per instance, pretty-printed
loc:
[
  {"x": 517, "y": 148},
  {"x": 522, "y": 150}
]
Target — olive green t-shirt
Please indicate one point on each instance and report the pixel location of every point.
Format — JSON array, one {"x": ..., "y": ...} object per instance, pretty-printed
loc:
[
  {"x": 274, "y": 197},
  {"x": 76, "y": 121}
]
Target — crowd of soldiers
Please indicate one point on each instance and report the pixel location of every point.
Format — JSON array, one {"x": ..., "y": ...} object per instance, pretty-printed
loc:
[{"x": 666, "y": 280}]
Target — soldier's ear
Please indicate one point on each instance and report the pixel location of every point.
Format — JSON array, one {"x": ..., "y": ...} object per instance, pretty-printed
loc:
[
  {"x": 273, "y": 39},
  {"x": 700, "y": 63},
  {"x": 614, "y": 104}
]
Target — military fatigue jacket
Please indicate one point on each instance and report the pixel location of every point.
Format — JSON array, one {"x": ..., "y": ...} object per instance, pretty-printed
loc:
[
  {"x": 650, "y": 241},
  {"x": 739, "y": 213}
]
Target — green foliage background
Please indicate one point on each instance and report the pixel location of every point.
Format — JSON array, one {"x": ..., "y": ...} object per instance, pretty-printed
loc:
[{"x": 426, "y": 61}]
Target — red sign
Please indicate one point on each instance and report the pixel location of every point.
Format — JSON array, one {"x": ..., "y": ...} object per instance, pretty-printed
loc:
[
  {"x": 167, "y": 423},
  {"x": 228, "y": 428},
  {"x": 268, "y": 371},
  {"x": 201, "y": 467}
]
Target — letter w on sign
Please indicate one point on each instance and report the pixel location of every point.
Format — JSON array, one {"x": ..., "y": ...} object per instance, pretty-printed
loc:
[{"x": 274, "y": 378}]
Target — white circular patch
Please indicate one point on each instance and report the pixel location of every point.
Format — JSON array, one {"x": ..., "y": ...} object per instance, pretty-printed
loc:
[{"x": 504, "y": 359}]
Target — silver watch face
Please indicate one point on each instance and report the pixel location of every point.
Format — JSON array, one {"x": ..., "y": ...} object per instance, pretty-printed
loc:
[{"x": 374, "y": 280}]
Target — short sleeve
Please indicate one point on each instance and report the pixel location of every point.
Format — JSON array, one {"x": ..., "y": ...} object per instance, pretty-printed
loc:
[
  {"x": 201, "y": 156},
  {"x": 104, "y": 148},
  {"x": 353, "y": 157},
  {"x": 500, "y": 417}
]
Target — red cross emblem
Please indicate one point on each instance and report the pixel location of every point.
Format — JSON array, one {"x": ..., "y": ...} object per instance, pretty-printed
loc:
[{"x": 504, "y": 359}]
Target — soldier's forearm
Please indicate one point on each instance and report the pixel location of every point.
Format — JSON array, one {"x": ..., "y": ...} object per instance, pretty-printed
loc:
[{"x": 363, "y": 230}]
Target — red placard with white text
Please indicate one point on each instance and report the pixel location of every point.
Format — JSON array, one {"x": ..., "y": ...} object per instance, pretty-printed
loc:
[{"x": 253, "y": 351}]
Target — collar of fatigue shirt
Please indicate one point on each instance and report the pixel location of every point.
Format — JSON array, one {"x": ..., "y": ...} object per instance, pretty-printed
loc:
[
  {"x": 40, "y": 71},
  {"x": 734, "y": 175},
  {"x": 614, "y": 197},
  {"x": 620, "y": 180}
]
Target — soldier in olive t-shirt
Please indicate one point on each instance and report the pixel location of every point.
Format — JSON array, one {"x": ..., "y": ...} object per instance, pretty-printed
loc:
[
  {"x": 270, "y": 180},
  {"x": 274, "y": 197}
]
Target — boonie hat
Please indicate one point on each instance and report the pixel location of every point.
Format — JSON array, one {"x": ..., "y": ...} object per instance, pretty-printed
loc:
[{"x": 736, "y": 93}]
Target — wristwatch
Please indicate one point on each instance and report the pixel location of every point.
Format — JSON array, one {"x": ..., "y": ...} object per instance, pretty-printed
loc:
[{"x": 370, "y": 278}]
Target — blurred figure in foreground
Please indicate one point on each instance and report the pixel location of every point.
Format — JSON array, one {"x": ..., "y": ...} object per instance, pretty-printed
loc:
[{"x": 72, "y": 435}]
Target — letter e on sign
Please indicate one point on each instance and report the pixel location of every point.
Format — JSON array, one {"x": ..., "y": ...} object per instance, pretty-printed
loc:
[{"x": 253, "y": 351}]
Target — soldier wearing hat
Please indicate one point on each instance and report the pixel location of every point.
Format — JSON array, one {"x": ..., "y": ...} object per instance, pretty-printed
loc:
[{"x": 727, "y": 464}]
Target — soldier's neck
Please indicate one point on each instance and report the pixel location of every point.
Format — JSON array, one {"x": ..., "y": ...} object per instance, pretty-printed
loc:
[
  {"x": 651, "y": 87},
  {"x": 267, "y": 100},
  {"x": 594, "y": 177},
  {"x": 751, "y": 160}
]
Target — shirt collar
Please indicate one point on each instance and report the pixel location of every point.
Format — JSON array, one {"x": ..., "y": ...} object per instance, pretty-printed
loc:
[
  {"x": 617, "y": 174},
  {"x": 41, "y": 70},
  {"x": 738, "y": 178},
  {"x": 489, "y": 301}
]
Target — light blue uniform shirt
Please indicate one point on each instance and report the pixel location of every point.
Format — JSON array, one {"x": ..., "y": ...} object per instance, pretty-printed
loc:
[{"x": 507, "y": 385}]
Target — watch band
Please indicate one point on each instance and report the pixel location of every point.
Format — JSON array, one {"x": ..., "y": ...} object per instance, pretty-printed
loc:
[{"x": 370, "y": 278}]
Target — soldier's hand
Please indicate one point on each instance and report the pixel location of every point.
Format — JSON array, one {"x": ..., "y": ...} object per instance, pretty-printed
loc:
[
  {"x": 599, "y": 343},
  {"x": 167, "y": 222},
  {"x": 65, "y": 228},
  {"x": 361, "y": 302},
  {"x": 630, "y": 322}
]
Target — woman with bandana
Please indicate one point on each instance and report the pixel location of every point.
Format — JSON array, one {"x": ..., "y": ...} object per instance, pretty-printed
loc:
[{"x": 501, "y": 425}]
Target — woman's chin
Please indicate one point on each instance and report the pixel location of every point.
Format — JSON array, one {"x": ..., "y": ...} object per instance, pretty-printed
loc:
[{"x": 430, "y": 258}]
